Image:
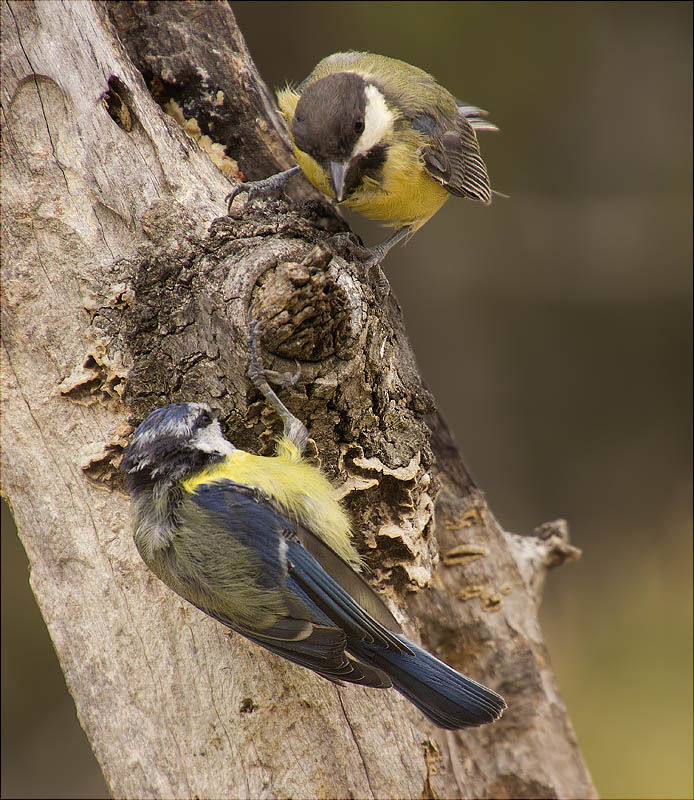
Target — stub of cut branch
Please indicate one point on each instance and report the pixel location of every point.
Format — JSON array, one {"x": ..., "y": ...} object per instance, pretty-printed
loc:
[{"x": 535, "y": 555}]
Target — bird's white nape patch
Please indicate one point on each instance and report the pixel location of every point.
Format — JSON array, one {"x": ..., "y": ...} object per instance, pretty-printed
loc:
[
  {"x": 211, "y": 440},
  {"x": 378, "y": 121}
]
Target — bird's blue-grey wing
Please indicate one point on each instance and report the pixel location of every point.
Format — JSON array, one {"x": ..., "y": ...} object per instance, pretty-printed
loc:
[
  {"x": 302, "y": 632},
  {"x": 322, "y": 626}
]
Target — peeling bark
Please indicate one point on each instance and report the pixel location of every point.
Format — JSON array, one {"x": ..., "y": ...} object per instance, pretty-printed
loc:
[{"x": 126, "y": 287}]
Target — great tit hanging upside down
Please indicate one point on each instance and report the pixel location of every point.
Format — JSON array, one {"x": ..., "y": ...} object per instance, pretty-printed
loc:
[
  {"x": 384, "y": 138},
  {"x": 260, "y": 544}
]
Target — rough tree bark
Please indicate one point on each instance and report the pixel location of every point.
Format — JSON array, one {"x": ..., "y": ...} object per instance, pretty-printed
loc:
[{"x": 125, "y": 288}]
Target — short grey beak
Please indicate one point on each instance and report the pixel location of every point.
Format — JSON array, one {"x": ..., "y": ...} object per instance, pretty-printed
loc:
[{"x": 338, "y": 170}]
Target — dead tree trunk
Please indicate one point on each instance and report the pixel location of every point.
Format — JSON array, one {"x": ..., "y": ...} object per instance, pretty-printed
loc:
[{"x": 126, "y": 288}]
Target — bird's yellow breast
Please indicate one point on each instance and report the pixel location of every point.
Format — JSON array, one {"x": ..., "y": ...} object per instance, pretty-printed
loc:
[{"x": 406, "y": 193}]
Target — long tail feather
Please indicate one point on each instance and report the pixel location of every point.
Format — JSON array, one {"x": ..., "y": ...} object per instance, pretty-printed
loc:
[{"x": 448, "y": 698}]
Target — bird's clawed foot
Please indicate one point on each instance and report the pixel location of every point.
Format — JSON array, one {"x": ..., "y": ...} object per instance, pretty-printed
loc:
[
  {"x": 377, "y": 278},
  {"x": 260, "y": 188}
]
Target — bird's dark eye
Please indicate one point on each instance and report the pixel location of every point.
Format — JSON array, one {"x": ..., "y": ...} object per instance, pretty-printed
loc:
[
  {"x": 359, "y": 126},
  {"x": 205, "y": 419}
]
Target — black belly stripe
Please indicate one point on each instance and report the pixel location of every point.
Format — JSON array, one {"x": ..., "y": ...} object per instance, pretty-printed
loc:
[
  {"x": 369, "y": 165},
  {"x": 372, "y": 163}
]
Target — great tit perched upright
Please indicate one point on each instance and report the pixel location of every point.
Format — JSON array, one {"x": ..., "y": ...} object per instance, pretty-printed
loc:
[
  {"x": 384, "y": 138},
  {"x": 260, "y": 544}
]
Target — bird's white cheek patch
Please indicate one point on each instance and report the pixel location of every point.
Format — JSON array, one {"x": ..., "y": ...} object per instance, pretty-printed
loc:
[
  {"x": 378, "y": 121},
  {"x": 211, "y": 440}
]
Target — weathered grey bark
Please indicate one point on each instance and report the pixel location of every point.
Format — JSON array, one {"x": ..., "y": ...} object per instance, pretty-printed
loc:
[{"x": 117, "y": 299}]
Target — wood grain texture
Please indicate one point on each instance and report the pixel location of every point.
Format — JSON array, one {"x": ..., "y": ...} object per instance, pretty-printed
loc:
[{"x": 125, "y": 287}]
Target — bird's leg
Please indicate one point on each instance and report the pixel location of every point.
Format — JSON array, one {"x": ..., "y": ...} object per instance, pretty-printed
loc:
[
  {"x": 263, "y": 187},
  {"x": 378, "y": 253},
  {"x": 294, "y": 429}
]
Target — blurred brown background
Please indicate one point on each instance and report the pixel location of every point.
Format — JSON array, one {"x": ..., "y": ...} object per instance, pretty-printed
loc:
[{"x": 554, "y": 329}]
